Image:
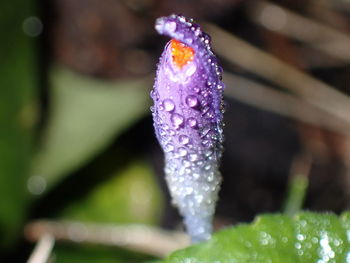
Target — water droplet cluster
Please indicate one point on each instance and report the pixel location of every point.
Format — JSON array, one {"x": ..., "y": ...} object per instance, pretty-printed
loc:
[{"x": 188, "y": 120}]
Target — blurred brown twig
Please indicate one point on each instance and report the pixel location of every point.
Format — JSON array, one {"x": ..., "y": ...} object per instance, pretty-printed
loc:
[
  {"x": 140, "y": 238},
  {"x": 252, "y": 59},
  {"x": 320, "y": 36},
  {"x": 269, "y": 99}
]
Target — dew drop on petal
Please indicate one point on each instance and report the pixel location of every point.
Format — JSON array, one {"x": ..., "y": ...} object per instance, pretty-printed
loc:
[
  {"x": 177, "y": 120},
  {"x": 206, "y": 143},
  {"x": 183, "y": 139},
  {"x": 169, "y": 147},
  {"x": 168, "y": 105},
  {"x": 207, "y": 167},
  {"x": 182, "y": 151},
  {"x": 210, "y": 178},
  {"x": 191, "y": 101},
  {"x": 192, "y": 122},
  {"x": 220, "y": 87},
  {"x": 197, "y": 89},
  {"x": 171, "y": 27},
  {"x": 186, "y": 163},
  {"x": 193, "y": 157},
  {"x": 171, "y": 132},
  {"x": 162, "y": 132}
]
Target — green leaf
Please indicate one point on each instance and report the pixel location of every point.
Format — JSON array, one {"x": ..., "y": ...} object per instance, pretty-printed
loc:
[
  {"x": 306, "y": 237},
  {"x": 86, "y": 114},
  {"x": 18, "y": 107},
  {"x": 131, "y": 195}
]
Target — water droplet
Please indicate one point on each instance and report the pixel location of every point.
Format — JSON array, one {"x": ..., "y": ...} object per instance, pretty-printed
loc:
[
  {"x": 182, "y": 151},
  {"x": 264, "y": 242},
  {"x": 196, "y": 89},
  {"x": 337, "y": 242},
  {"x": 300, "y": 237},
  {"x": 162, "y": 132},
  {"x": 171, "y": 132},
  {"x": 208, "y": 153},
  {"x": 207, "y": 167},
  {"x": 210, "y": 178},
  {"x": 183, "y": 139},
  {"x": 170, "y": 27},
  {"x": 192, "y": 122},
  {"x": 314, "y": 240},
  {"x": 189, "y": 190},
  {"x": 206, "y": 188},
  {"x": 193, "y": 157},
  {"x": 186, "y": 163},
  {"x": 210, "y": 113},
  {"x": 200, "y": 163},
  {"x": 169, "y": 147},
  {"x": 192, "y": 101},
  {"x": 168, "y": 105},
  {"x": 177, "y": 120},
  {"x": 199, "y": 198},
  {"x": 206, "y": 143}
]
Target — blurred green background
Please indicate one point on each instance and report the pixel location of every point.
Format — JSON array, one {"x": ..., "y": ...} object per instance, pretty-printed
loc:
[{"x": 76, "y": 136}]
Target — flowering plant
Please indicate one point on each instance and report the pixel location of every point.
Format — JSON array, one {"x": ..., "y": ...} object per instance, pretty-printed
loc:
[{"x": 188, "y": 120}]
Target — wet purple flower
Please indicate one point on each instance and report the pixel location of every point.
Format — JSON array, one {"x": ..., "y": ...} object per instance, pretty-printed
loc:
[{"x": 188, "y": 117}]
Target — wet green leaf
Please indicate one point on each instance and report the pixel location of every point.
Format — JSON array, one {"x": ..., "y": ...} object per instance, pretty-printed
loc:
[
  {"x": 306, "y": 237},
  {"x": 86, "y": 114}
]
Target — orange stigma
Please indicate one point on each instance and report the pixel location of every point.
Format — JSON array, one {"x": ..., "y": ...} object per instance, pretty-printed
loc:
[{"x": 181, "y": 53}]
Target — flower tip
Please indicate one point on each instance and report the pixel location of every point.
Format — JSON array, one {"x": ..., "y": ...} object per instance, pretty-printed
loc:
[{"x": 181, "y": 53}]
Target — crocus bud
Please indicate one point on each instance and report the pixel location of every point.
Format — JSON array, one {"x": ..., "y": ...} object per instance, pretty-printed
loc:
[{"x": 188, "y": 121}]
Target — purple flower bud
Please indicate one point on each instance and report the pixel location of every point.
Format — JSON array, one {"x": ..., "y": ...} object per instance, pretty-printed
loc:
[{"x": 188, "y": 116}]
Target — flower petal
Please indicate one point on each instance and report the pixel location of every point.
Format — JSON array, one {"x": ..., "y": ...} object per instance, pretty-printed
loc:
[{"x": 188, "y": 119}]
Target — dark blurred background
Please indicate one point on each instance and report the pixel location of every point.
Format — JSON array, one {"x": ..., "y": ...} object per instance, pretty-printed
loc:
[{"x": 76, "y": 135}]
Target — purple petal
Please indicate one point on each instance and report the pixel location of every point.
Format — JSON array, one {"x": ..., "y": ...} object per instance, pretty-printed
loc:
[{"x": 188, "y": 118}]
